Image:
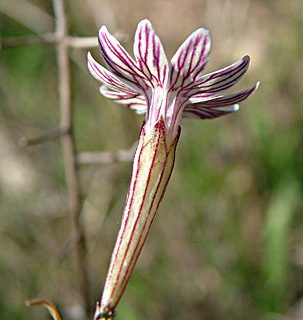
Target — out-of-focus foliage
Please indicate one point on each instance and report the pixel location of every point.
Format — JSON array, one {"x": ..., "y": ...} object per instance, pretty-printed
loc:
[{"x": 228, "y": 239}]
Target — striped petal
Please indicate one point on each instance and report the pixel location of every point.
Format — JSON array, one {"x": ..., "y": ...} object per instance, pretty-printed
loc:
[
  {"x": 218, "y": 106},
  {"x": 134, "y": 101},
  {"x": 208, "y": 113},
  {"x": 150, "y": 55},
  {"x": 217, "y": 82},
  {"x": 120, "y": 63},
  {"x": 190, "y": 60},
  {"x": 105, "y": 77}
]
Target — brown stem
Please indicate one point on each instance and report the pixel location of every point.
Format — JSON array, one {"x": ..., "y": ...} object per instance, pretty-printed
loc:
[
  {"x": 73, "y": 42},
  {"x": 106, "y": 157},
  {"x": 28, "y": 40},
  {"x": 68, "y": 148},
  {"x": 47, "y": 136}
]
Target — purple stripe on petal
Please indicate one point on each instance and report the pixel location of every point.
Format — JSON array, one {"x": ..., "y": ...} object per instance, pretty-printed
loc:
[
  {"x": 150, "y": 54},
  {"x": 105, "y": 77},
  {"x": 120, "y": 62},
  {"x": 190, "y": 60},
  {"x": 149, "y": 85},
  {"x": 223, "y": 101},
  {"x": 218, "y": 106},
  {"x": 207, "y": 113},
  {"x": 134, "y": 101},
  {"x": 217, "y": 82}
]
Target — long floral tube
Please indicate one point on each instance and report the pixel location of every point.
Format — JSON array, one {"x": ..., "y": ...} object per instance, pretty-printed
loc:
[{"x": 152, "y": 167}]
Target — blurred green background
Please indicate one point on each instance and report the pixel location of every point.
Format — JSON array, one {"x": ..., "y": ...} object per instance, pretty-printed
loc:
[{"x": 228, "y": 239}]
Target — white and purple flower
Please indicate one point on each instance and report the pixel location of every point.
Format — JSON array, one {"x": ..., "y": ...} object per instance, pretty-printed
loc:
[{"x": 166, "y": 93}]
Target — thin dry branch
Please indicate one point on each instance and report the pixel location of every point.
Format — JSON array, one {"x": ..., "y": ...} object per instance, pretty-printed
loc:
[
  {"x": 73, "y": 42},
  {"x": 68, "y": 148},
  {"x": 107, "y": 157},
  {"x": 82, "y": 42},
  {"x": 47, "y": 136},
  {"x": 29, "y": 40}
]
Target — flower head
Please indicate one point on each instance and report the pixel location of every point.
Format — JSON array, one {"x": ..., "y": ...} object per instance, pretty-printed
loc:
[
  {"x": 166, "y": 92},
  {"x": 151, "y": 85}
]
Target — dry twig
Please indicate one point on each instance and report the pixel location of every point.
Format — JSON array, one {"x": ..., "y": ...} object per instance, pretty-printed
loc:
[
  {"x": 106, "y": 157},
  {"x": 47, "y": 136},
  {"x": 73, "y": 42},
  {"x": 68, "y": 147}
]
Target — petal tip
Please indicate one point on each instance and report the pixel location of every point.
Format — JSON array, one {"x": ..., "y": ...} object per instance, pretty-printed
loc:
[
  {"x": 90, "y": 60},
  {"x": 234, "y": 108},
  {"x": 102, "y": 29},
  {"x": 89, "y": 56},
  {"x": 246, "y": 58},
  {"x": 144, "y": 21},
  {"x": 254, "y": 88},
  {"x": 102, "y": 33},
  {"x": 204, "y": 31}
]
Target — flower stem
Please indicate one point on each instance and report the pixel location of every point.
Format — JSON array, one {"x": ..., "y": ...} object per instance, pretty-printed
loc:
[{"x": 152, "y": 168}]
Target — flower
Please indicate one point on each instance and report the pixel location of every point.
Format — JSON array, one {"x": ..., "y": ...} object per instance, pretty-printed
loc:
[{"x": 166, "y": 93}]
